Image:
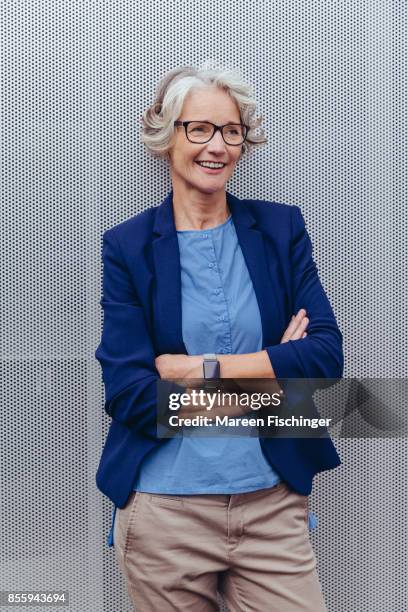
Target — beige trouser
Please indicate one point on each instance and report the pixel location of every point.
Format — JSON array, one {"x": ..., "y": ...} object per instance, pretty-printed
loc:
[{"x": 175, "y": 552}]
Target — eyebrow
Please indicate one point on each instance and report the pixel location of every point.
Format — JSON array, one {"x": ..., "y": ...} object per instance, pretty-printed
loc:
[{"x": 208, "y": 121}]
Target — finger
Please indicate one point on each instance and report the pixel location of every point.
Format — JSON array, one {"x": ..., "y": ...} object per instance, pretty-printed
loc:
[
  {"x": 293, "y": 325},
  {"x": 304, "y": 334},
  {"x": 290, "y": 328},
  {"x": 300, "y": 329}
]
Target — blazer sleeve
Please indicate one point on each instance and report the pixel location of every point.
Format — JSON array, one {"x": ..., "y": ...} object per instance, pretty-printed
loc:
[
  {"x": 125, "y": 351},
  {"x": 320, "y": 353}
]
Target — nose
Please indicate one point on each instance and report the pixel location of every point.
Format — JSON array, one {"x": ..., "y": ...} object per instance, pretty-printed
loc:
[{"x": 217, "y": 144}]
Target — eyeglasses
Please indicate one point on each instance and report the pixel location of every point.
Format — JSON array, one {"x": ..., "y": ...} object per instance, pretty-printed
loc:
[{"x": 199, "y": 132}]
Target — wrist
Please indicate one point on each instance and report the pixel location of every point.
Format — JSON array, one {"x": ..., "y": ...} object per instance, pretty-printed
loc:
[{"x": 194, "y": 366}]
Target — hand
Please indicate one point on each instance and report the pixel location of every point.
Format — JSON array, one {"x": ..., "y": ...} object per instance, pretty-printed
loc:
[{"x": 296, "y": 327}]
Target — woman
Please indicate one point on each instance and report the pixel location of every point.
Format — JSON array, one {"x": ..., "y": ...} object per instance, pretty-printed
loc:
[{"x": 208, "y": 273}]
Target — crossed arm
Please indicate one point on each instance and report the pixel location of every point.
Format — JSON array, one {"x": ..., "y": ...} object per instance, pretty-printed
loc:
[{"x": 246, "y": 365}]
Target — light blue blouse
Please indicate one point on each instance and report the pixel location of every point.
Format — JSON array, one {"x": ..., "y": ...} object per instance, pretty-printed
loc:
[{"x": 220, "y": 314}]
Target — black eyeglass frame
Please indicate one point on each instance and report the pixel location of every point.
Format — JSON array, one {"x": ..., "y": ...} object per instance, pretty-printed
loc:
[{"x": 216, "y": 128}]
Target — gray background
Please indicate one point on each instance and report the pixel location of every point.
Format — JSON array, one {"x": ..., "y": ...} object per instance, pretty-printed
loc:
[{"x": 330, "y": 78}]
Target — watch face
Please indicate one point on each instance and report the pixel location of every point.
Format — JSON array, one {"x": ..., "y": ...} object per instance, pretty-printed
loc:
[{"x": 211, "y": 369}]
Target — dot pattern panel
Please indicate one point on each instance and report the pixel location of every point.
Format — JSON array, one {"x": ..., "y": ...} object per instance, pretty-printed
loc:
[{"x": 330, "y": 79}]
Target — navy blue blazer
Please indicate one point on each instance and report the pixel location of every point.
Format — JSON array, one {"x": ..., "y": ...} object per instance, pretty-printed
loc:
[{"x": 141, "y": 301}]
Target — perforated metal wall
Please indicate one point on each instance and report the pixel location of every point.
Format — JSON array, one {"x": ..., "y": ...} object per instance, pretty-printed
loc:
[{"x": 330, "y": 78}]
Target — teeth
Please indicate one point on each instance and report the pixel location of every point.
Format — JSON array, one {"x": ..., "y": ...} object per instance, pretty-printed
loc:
[{"x": 211, "y": 164}]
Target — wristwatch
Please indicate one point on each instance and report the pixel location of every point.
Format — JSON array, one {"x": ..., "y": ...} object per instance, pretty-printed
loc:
[{"x": 211, "y": 366}]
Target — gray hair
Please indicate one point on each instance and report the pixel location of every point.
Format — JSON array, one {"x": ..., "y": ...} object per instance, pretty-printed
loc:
[{"x": 157, "y": 121}]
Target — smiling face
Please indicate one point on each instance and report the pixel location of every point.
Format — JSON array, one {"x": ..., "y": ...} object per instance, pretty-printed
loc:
[{"x": 214, "y": 105}]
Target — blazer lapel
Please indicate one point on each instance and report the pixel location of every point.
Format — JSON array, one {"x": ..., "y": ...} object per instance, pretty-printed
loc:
[
  {"x": 166, "y": 256},
  {"x": 262, "y": 268},
  {"x": 167, "y": 300}
]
